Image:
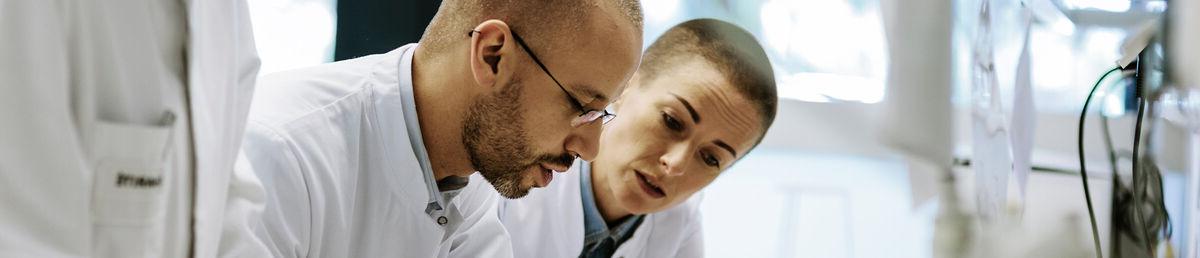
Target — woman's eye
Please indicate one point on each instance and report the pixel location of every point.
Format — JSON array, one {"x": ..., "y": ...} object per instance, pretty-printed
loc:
[
  {"x": 672, "y": 123},
  {"x": 710, "y": 160}
]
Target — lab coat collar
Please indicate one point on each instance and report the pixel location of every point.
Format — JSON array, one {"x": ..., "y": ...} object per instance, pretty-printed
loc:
[
  {"x": 436, "y": 207},
  {"x": 595, "y": 229},
  {"x": 593, "y": 222}
]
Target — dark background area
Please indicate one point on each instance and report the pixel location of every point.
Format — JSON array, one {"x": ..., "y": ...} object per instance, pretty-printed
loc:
[{"x": 366, "y": 27}]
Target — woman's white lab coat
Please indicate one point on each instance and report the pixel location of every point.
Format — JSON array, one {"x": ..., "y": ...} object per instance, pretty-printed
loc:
[
  {"x": 328, "y": 151},
  {"x": 549, "y": 223},
  {"x": 91, "y": 164}
]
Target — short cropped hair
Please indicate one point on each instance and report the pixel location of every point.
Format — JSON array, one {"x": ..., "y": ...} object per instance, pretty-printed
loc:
[
  {"x": 730, "y": 49},
  {"x": 539, "y": 21}
]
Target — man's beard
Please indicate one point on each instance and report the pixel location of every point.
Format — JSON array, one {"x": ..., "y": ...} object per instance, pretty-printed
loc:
[{"x": 497, "y": 143}]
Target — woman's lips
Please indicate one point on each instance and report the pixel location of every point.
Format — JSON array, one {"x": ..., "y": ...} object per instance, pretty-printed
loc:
[{"x": 648, "y": 187}]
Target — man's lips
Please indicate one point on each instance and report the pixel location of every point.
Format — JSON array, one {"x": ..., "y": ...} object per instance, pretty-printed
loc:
[
  {"x": 556, "y": 167},
  {"x": 544, "y": 176}
]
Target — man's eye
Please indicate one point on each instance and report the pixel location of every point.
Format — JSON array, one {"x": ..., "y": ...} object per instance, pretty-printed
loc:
[
  {"x": 672, "y": 123},
  {"x": 710, "y": 160}
]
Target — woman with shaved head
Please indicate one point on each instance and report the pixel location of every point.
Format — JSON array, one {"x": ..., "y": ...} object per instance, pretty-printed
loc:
[{"x": 703, "y": 97}]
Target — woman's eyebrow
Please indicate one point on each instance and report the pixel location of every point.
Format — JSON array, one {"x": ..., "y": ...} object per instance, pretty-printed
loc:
[
  {"x": 688, "y": 105},
  {"x": 722, "y": 144},
  {"x": 696, "y": 117}
]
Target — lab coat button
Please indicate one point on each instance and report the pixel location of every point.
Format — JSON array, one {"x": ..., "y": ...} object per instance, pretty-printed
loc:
[
  {"x": 168, "y": 118},
  {"x": 442, "y": 220}
]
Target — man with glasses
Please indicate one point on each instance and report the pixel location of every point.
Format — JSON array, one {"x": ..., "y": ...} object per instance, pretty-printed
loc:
[{"x": 370, "y": 157}]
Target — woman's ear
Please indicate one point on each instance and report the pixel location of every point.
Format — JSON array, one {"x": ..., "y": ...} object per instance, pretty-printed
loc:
[{"x": 488, "y": 41}]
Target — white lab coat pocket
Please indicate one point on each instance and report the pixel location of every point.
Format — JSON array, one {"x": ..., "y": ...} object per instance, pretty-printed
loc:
[{"x": 128, "y": 191}]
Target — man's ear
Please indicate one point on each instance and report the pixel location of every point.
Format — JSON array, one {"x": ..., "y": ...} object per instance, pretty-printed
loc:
[{"x": 488, "y": 45}]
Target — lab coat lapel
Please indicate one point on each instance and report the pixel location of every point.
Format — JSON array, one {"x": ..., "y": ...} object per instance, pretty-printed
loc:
[
  {"x": 551, "y": 218},
  {"x": 549, "y": 221},
  {"x": 389, "y": 112},
  {"x": 222, "y": 67},
  {"x": 570, "y": 197},
  {"x": 408, "y": 180},
  {"x": 637, "y": 244}
]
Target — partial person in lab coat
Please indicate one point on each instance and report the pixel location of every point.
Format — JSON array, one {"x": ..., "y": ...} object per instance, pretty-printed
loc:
[
  {"x": 703, "y": 97},
  {"x": 119, "y": 124},
  {"x": 370, "y": 157}
]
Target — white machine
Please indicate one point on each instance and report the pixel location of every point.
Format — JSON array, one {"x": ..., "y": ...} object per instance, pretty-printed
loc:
[
  {"x": 1184, "y": 69},
  {"x": 920, "y": 117}
]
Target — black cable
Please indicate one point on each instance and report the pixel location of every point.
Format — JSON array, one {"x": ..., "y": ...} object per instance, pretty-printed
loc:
[
  {"x": 1083, "y": 166},
  {"x": 1160, "y": 219},
  {"x": 1137, "y": 193},
  {"x": 1104, "y": 126},
  {"x": 1120, "y": 194},
  {"x": 1117, "y": 195},
  {"x": 1149, "y": 192},
  {"x": 1108, "y": 133},
  {"x": 1129, "y": 203}
]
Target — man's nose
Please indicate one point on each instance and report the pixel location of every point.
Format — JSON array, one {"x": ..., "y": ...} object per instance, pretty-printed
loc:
[{"x": 584, "y": 141}]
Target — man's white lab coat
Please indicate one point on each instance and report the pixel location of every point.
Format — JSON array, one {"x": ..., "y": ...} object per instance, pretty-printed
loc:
[
  {"x": 549, "y": 223},
  {"x": 119, "y": 124},
  {"x": 329, "y": 147}
]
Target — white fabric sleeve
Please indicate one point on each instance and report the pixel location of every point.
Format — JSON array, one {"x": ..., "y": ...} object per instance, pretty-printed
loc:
[
  {"x": 243, "y": 213},
  {"x": 268, "y": 212},
  {"x": 481, "y": 233},
  {"x": 44, "y": 195}
]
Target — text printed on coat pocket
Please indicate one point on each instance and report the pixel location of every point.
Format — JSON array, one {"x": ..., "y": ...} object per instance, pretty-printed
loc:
[{"x": 137, "y": 181}]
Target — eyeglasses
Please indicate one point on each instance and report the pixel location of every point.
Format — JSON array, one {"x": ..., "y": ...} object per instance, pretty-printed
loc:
[{"x": 586, "y": 115}]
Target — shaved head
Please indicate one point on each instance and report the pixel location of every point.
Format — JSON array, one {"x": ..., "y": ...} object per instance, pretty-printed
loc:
[
  {"x": 547, "y": 21},
  {"x": 730, "y": 49}
]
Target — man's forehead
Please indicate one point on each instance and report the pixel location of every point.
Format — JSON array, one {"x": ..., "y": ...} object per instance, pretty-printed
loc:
[
  {"x": 589, "y": 92},
  {"x": 599, "y": 80},
  {"x": 598, "y": 60}
]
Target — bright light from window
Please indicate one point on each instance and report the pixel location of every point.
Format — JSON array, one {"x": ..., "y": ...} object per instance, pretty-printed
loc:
[
  {"x": 664, "y": 10},
  {"x": 825, "y": 50},
  {"x": 1118, "y": 6},
  {"x": 828, "y": 87},
  {"x": 1054, "y": 66},
  {"x": 292, "y": 33},
  {"x": 1156, "y": 6}
]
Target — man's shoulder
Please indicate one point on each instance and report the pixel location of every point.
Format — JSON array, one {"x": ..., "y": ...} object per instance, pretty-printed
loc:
[
  {"x": 289, "y": 95},
  {"x": 339, "y": 72},
  {"x": 327, "y": 72}
]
